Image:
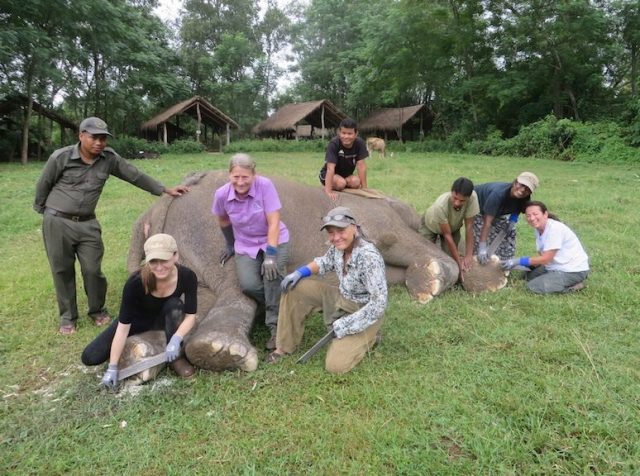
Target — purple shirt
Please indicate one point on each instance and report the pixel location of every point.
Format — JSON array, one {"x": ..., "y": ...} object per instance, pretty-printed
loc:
[{"x": 248, "y": 215}]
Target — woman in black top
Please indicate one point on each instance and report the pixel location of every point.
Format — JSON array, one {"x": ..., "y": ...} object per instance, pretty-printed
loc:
[{"x": 151, "y": 300}]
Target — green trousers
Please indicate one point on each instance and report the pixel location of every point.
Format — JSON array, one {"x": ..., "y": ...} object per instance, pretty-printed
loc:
[{"x": 64, "y": 240}]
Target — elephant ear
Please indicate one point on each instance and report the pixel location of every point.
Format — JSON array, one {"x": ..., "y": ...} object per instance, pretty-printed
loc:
[
  {"x": 193, "y": 178},
  {"x": 384, "y": 242},
  {"x": 487, "y": 277},
  {"x": 406, "y": 212}
]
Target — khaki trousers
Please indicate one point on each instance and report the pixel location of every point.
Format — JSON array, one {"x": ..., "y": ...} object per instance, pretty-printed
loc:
[{"x": 311, "y": 296}]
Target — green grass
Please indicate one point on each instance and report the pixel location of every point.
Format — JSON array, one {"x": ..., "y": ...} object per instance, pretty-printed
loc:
[{"x": 501, "y": 383}]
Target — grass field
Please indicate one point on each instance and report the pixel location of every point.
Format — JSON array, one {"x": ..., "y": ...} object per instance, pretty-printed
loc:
[{"x": 498, "y": 383}]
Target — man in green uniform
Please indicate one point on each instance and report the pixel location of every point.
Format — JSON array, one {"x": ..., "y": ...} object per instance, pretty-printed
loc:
[
  {"x": 67, "y": 194},
  {"x": 446, "y": 216}
]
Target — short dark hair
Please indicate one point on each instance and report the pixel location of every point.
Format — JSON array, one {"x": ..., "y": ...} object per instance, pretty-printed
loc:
[
  {"x": 463, "y": 186},
  {"x": 348, "y": 123}
]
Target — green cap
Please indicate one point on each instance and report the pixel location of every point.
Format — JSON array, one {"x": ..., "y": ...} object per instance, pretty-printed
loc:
[{"x": 95, "y": 126}]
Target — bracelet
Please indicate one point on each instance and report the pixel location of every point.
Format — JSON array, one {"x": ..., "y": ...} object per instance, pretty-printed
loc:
[
  {"x": 305, "y": 271},
  {"x": 524, "y": 261}
]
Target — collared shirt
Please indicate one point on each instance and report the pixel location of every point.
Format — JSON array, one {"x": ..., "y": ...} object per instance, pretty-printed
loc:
[
  {"x": 69, "y": 185},
  {"x": 442, "y": 211},
  {"x": 570, "y": 256},
  {"x": 248, "y": 215},
  {"x": 495, "y": 199},
  {"x": 362, "y": 281}
]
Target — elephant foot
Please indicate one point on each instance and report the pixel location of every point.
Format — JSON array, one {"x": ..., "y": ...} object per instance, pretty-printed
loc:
[
  {"x": 487, "y": 277},
  {"x": 140, "y": 347},
  {"x": 217, "y": 351},
  {"x": 424, "y": 281}
]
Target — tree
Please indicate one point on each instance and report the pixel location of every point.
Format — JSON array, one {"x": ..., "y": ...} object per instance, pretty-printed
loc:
[
  {"x": 552, "y": 57},
  {"x": 220, "y": 52},
  {"x": 31, "y": 35}
]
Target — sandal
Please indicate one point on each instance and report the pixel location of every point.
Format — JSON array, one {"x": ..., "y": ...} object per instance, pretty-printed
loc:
[
  {"x": 67, "y": 329},
  {"x": 102, "y": 319},
  {"x": 271, "y": 343},
  {"x": 183, "y": 368},
  {"x": 274, "y": 357}
]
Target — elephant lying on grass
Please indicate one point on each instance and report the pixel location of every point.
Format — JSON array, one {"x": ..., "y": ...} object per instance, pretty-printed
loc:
[{"x": 225, "y": 315}]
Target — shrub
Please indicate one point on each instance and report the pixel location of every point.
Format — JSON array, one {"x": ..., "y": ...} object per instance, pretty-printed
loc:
[
  {"x": 130, "y": 147},
  {"x": 186, "y": 146},
  {"x": 562, "y": 139},
  {"x": 276, "y": 145}
]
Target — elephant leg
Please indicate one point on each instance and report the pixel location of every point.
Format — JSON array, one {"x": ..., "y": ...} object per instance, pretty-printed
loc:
[
  {"x": 427, "y": 279},
  {"x": 428, "y": 270},
  {"x": 221, "y": 340},
  {"x": 139, "y": 347}
]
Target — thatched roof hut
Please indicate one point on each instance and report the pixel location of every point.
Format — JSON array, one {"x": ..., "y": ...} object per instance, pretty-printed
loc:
[
  {"x": 402, "y": 123},
  {"x": 293, "y": 120},
  {"x": 21, "y": 136},
  {"x": 159, "y": 127}
]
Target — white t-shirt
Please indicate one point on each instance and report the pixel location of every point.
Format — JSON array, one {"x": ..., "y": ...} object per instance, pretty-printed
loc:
[{"x": 570, "y": 256}]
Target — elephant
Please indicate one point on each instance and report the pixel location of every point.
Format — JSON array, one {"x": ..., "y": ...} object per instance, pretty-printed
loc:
[{"x": 225, "y": 315}]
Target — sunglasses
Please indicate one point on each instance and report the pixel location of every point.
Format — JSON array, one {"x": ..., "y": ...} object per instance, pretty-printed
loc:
[{"x": 339, "y": 217}]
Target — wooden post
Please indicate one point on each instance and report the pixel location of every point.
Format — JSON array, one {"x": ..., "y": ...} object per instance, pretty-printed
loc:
[
  {"x": 165, "y": 134},
  {"x": 228, "y": 134},
  {"x": 198, "y": 134},
  {"x": 322, "y": 120}
]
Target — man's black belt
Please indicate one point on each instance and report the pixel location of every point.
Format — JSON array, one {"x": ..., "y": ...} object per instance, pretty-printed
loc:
[{"x": 60, "y": 214}]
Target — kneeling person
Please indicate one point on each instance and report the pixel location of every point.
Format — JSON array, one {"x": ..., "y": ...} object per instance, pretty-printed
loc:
[
  {"x": 345, "y": 153},
  {"x": 151, "y": 300},
  {"x": 447, "y": 215},
  {"x": 561, "y": 265},
  {"x": 354, "y": 310}
]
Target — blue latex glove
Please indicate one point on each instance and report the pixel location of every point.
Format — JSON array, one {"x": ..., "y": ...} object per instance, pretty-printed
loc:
[
  {"x": 110, "y": 377},
  {"x": 173, "y": 348},
  {"x": 513, "y": 219},
  {"x": 269, "y": 266},
  {"x": 290, "y": 281},
  {"x": 483, "y": 256},
  {"x": 229, "y": 249}
]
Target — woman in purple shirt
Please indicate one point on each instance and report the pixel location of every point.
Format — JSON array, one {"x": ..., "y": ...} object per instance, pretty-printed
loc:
[{"x": 248, "y": 210}]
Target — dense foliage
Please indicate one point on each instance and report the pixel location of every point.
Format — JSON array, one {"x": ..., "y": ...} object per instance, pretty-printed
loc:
[{"x": 486, "y": 69}]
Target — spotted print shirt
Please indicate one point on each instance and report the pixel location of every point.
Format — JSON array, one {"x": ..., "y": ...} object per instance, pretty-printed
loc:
[{"x": 362, "y": 280}]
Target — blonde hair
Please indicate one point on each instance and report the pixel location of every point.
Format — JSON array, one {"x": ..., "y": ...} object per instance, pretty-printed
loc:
[{"x": 148, "y": 278}]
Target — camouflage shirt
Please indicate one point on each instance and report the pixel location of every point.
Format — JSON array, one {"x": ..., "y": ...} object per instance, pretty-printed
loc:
[{"x": 362, "y": 280}]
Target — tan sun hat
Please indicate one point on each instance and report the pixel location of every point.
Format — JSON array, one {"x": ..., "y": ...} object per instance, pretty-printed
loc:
[
  {"x": 160, "y": 246},
  {"x": 529, "y": 180},
  {"x": 340, "y": 217}
]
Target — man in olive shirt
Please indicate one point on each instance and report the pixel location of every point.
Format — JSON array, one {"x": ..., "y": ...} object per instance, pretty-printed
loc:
[
  {"x": 67, "y": 194},
  {"x": 447, "y": 215}
]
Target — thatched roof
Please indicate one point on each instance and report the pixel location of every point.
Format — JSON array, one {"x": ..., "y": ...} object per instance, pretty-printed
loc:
[
  {"x": 15, "y": 101},
  {"x": 210, "y": 115},
  {"x": 288, "y": 116},
  {"x": 389, "y": 119}
]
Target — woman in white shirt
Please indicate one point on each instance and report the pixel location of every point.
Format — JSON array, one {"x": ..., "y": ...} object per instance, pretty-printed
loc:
[{"x": 562, "y": 264}]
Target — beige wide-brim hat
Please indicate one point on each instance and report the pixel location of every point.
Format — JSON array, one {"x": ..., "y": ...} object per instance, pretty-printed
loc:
[{"x": 160, "y": 246}]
